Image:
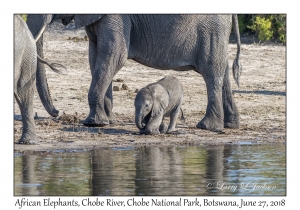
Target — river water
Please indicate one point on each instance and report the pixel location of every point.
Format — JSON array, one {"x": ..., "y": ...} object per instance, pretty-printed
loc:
[{"x": 244, "y": 169}]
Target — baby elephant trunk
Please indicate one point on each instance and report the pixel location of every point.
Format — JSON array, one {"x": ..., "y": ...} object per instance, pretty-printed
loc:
[{"x": 139, "y": 121}]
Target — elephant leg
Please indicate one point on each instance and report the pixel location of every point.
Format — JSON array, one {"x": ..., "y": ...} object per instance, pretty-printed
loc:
[
  {"x": 213, "y": 76},
  {"x": 152, "y": 128},
  {"x": 24, "y": 98},
  {"x": 163, "y": 127},
  {"x": 101, "y": 80},
  {"x": 108, "y": 105},
  {"x": 173, "y": 118},
  {"x": 90, "y": 121},
  {"x": 110, "y": 55},
  {"x": 231, "y": 113},
  {"x": 213, "y": 119},
  {"x": 108, "y": 98}
]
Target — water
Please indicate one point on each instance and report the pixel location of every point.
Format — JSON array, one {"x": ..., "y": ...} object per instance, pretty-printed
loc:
[{"x": 185, "y": 171}]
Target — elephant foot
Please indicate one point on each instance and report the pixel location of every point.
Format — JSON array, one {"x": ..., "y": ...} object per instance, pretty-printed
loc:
[
  {"x": 163, "y": 128},
  {"x": 171, "y": 131},
  {"x": 112, "y": 120},
  {"x": 91, "y": 122},
  {"x": 155, "y": 132},
  {"x": 212, "y": 124},
  {"x": 233, "y": 125},
  {"x": 32, "y": 140},
  {"x": 149, "y": 132}
]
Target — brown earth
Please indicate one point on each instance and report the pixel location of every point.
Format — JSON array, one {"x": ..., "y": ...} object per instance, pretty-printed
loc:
[{"x": 261, "y": 99}]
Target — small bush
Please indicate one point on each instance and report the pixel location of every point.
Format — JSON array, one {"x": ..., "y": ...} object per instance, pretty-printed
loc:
[
  {"x": 263, "y": 26},
  {"x": 243, "y": 21},
  {"x": 279, "y": 22}
]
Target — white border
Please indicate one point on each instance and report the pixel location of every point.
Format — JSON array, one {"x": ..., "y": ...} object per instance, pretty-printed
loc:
[{"x": 8, "y": 8}]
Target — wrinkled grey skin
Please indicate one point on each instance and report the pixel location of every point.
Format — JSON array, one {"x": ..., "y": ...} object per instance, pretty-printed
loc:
[
  {"x": 185, "y": 42},
  {"x": 36, "y": 24},
  {"x": 25, "y": 64},
  {"x": 24, "y": 78},
  {"x": 156, "y": 101}
]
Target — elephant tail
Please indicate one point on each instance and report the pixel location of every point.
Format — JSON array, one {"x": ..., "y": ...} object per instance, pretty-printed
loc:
[
  {"x": 54, "y": 66},
  {"x": 182, "y": 118},
  {"x": 237, "y": 66}
]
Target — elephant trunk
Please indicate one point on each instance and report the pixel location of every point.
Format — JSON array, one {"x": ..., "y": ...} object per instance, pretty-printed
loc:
[
  {"x": 139, "y": 121},
  {"x": 36, "y": 24},
  {"x": 42, "y": 84},
  {"x": 141, "y": 118}
]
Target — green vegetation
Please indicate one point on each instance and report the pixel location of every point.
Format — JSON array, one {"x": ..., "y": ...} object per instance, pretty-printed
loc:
[
  {"x": 280, "y": 27},
  {"x": 266, "y": 27},
  {"x": 24, "y": 16},
  {"x": 263, "y": 26}
]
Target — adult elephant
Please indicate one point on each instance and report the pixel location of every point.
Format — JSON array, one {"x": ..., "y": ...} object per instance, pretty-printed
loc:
[
  {"x": 178, "y": 42},
  {"x": 25, "y": 61}
]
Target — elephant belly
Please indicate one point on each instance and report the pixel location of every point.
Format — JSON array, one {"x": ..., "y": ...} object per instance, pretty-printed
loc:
[
  {"x": 176, "y": 41},
  {"x": 170, "y": 109},
  {"x": 164, "y": 55},
  {"x": 165, "y": 64}
]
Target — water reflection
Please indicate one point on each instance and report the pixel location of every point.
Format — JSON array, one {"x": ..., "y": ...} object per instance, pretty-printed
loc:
[{"x": 212, "y": 170}]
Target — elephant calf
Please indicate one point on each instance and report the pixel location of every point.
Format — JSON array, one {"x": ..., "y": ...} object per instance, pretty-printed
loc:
[{"x": 156, "y": 101}]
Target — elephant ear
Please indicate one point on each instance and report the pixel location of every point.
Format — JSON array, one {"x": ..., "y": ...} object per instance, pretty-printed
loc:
[
  {"x": 160, "y": 99},
  {"x": 84, "y": 20}
]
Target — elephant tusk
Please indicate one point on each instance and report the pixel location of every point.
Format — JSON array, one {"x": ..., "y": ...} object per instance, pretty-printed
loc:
[{"x": 40, "y": 33}]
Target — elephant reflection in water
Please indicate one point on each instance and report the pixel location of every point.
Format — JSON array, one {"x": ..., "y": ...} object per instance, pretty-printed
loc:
[
  {"x": 113, "y": 173},
  {"x": 145, "y": 171},
  {"x": 25, "y": 176},
  {"x": 125, "y": 174},
  {"x": 217, "y": 170},
  {"x": 158, "y": 171}
]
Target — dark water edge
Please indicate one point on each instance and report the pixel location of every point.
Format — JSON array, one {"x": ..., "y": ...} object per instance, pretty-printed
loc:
[{"x": 225, "y": 170}]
